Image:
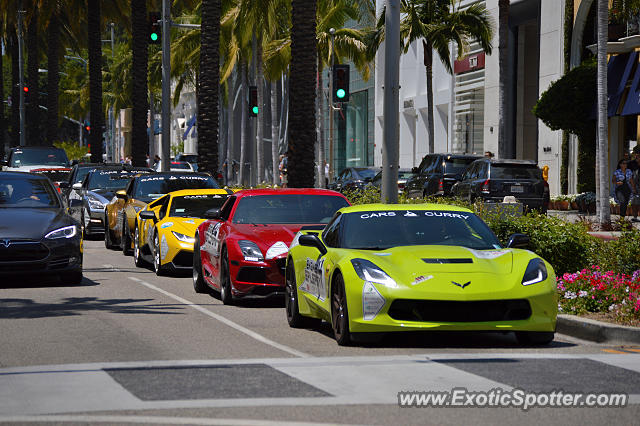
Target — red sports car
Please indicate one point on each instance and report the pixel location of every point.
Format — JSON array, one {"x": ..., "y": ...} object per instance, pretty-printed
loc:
[{"x": 242, "y": 250}]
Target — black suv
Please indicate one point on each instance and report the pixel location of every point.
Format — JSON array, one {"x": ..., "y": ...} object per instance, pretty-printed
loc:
[
  {"x": 353, "y": 178},
  {"x": 492, "y": 180},
  {"x": 437, "y": 173}
]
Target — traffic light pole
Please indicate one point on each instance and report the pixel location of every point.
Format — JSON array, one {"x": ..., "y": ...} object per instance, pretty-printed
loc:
[
  {"x": 390, "y": 142},
  {"x": 332, "y": 32},
  {"x": 21, "y": 72},
  {"x": 166, "y": 86}
]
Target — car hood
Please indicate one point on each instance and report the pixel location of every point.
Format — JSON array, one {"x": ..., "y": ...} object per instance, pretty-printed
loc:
[
  {"x": 183, "y": 225},
  {"x": 104, "y": 195},
  {"x": 32, "y": 224},
  {"x": 267, "y": 235}
]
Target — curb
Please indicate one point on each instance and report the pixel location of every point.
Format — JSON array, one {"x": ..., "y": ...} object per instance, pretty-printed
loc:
[{"x": 597, "y": 331}]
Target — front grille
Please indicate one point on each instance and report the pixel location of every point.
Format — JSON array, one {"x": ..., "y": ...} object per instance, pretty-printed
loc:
[
  {"x": 264, "y": 290},
  {"x": 252, "y": 274},
  {"x": 22, "y": 251},
  {"x": 184, "y": 259},
  {"x": 454, "y": 311}
]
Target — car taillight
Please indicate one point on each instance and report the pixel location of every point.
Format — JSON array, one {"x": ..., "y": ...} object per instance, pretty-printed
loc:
[
  {"x": 440, "y": 187},
  {"x": 485, "y": 187}
]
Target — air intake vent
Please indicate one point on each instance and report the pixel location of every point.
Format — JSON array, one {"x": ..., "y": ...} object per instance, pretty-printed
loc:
[{"x": 453, "y": 260}]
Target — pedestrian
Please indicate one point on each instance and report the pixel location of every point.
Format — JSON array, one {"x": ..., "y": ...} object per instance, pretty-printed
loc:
[
  {"x": 326, "y": 175},
  {"x": 148, "y": 160},
  {"x": 488, "y": 154},
  {"x": 634, "y": 166},
  {"x": 284, "y": 162},
  {"x": 624, "y": 185}
]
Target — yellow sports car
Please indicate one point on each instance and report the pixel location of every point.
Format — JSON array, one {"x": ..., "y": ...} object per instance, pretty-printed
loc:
[{"x": 164, "y": 230}]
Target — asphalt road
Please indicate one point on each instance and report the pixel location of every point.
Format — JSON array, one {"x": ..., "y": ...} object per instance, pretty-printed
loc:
[{"x": 129, "y": 347}]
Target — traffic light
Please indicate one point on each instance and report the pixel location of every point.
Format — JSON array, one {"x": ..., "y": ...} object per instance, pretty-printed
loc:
[
  {"x": 253, "y": 101},
  {"x": 155, "y": 28},
  {"x": 340, "y": 83},
  {"x": 25, "y": 89}
]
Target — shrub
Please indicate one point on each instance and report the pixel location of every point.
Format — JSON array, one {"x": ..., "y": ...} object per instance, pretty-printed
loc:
[{"x": 621, "y": 255}]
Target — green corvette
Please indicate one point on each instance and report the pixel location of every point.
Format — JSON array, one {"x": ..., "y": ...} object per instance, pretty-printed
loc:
[{"x": 378, "y": 268}]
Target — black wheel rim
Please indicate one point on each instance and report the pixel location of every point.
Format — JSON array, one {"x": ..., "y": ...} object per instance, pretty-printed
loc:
[
  {"x": 337, "y": 303},
  {"x": 290, "y": 298},
  {"x": 224, "y": 274},
  {"x": 156, "y": 254},
  {"x": 196, "y": 263},
  {"x": 136, "y": 246}
]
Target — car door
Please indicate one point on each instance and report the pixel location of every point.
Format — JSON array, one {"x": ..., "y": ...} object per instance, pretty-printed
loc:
[
  {"x": 215, "y": 234},
  {"x": 117, "y": 211},
  {"x": 462, "y": 188},
  {"x": 478, "y": 179}
]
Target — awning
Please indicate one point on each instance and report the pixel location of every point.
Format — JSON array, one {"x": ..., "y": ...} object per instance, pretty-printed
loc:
[
  {"x": 190, "y": 124},
  {"x": 618, "y": 73},
  {"x": 632, "y": 105}
]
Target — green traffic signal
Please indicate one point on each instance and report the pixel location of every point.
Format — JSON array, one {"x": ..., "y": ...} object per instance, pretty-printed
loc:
[
  {"x": 340, "y": 93},
  {"x": 154, "y": 36},
  {"x": 255, "y": 110}
]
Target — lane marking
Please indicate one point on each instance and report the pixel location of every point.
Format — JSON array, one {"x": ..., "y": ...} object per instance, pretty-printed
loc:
[
  {"x": 153, "y": 420},
  {"x": 613, "y": 351},
  {"x": 224, "y": 320}
]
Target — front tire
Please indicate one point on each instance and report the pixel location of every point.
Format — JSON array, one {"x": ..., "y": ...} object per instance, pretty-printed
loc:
[
  {"x": 125, "y": 240},
  {"x": 198, "y": 280},
  {"x": 294, "y": 318},
  {"x": 108, "y": 236},
  {"x": 225, "y": 280},
  {"x": 535, "y": 338},
  {"x": 340, "y": 312},
  {"x": 137, "y": 255},
  {"x": 157, "y": 265}
]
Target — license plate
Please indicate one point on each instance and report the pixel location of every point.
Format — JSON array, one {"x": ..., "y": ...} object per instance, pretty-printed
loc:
[{"x": 519, "y": 189}]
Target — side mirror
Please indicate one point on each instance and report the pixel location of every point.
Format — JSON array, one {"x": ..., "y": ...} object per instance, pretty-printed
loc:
[
  {"x": 63, "y": 185},
  {"x": 414, "y": 170},
  {"x": 212, "y": 214},
  {"x": 74, "y": 203},
  {"x": 4, "y": 163},
  {"x": 312, "y": 240},
  {"x": 122, "y": 195},
  {"x": 147, "y": 215},
  {"x": 518, "y": 241},
  {"x": 77, "y": 186}
]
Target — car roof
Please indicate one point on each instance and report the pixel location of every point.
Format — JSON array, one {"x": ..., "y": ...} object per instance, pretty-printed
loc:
[
  {"x": 402, "y": 207},
  {"x": 35, "y": 148},
  {"x": 21, "y": 174},
  {"x": 183, "y": 192},
  {"x": 512, "y": 161},
  {"x": 286, "y": 191},
  {"x": 181, "y": 174}
]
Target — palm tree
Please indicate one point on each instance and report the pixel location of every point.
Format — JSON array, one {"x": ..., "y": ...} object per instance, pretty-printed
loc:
[
  {"x": 503, "y": 55},
  {"x": 2, "y": 120},
  {"x": 96, "y": 113},
  {"x": 302, "y": 93},
  {"x": 53, "y": 67},
  {"x": 438, "y": 23},
  {"x": 33, "y": 64},
  {"x": 602, "y": 171},
  {"x": 139, "y": 85},
  {"x": 15, "y": 84},
  {"x": 209, "y": 86}
]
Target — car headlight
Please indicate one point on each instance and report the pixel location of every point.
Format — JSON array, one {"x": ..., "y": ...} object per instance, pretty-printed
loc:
[
  {"x": 250, "y": 251},
  {"x": 536, "y": 272},
  {"x": 183, "y": 238},
  {"x": 94, "y": 203},
  {"x": 367, "y": 271},
  {"x": 66, "y": 232}
]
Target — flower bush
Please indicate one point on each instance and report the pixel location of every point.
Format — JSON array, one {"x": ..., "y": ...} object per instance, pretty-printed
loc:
[{"x": 592, "y": 290}]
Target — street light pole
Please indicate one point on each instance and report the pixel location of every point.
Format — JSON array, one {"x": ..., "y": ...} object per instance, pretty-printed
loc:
[
  {"x": 332, "y": 32},
  {"x": 21, "y": 72},
  {"x": 112, "y": 118},
  {"x": 390, "y": 143},
  {"x": 166, "y": 85}
]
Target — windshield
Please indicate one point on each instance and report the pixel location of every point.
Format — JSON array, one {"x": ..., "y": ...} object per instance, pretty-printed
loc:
[
  {"x": 456, "y": 166},
  {"x": 366, "y": 173},
  {"x": 190, "y": 158},
  {"x": 515, "y": 171},
  {"x": 404, "y": 175},
  {"x": 32, "y": 193},
  {"x": 379, "y": 230},
  {"x": 33, "y": 157},
  {"x": 54, "y": 175},
  {"x": 180, "y": 166},
  {"x": 110, "y": 179},
  {"x": 195, "y": 205},
  {"x": 290, "y": 208},
  {"x": 152, "y": 187}
]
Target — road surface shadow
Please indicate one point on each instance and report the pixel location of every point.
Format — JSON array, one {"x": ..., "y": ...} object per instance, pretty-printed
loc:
[{"x": 38, "y": 281}]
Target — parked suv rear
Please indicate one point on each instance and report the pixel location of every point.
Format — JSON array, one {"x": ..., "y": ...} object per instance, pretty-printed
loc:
[
  {"x": 437, "y": 173},
  {"x": 492, "y": 180}
]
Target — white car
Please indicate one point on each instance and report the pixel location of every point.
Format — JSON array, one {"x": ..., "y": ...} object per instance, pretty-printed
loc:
[
  {"x": 176, "y": 166},
  {"x": 27, "y": 158}
]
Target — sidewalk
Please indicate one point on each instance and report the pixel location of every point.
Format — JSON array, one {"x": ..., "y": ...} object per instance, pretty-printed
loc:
[{"x": 574, "y": 216}]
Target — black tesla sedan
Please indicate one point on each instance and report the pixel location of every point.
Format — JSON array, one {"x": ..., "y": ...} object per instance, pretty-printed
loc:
[{"x": 37, "y": 236}]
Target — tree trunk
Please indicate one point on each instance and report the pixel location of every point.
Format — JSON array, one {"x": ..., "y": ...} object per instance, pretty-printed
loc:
[
  {"x": 602, "y": 169},
  {"x": 274, "y": 134},
  {"x": 208, "y": 118},
  {"x": 244, "y": 135},
  {"x": 321, "y": 156},
  {"x": 428, "y": 63},
  {"x": 33, "y": 108},
  {"x": 53, "y": 77},
  {"x": 260, "y": 117},
  {"x": 139, "y": 84},
  {"x": 230, "y": 128},
  {"x": 503, "y": 34},
  {"x": 15, "y": 89},
  {"x": 3, "y": 126},
  {"x": 302, "y": 89},
  {"x": 96, "y": 113}
]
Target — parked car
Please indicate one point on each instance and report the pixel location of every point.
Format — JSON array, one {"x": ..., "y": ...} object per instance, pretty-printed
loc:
[
  {"x": 177, "y": 166},
  {"x": 120, "y": 213},
  {"x": 242, "y": 250},
  {"x": 78, "y": 172},
  {"x": 38, "y": 236},
  {"x": 491, "y": 180},
  {"x": 27, "y": 158},
  {"x": 437, "y": 173},
  {"x": 403, "y": 176},
  {"x": 189, "y": 158},
  {"x": 96, "y": 190},
  {"x": 353, "y": 178}
]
